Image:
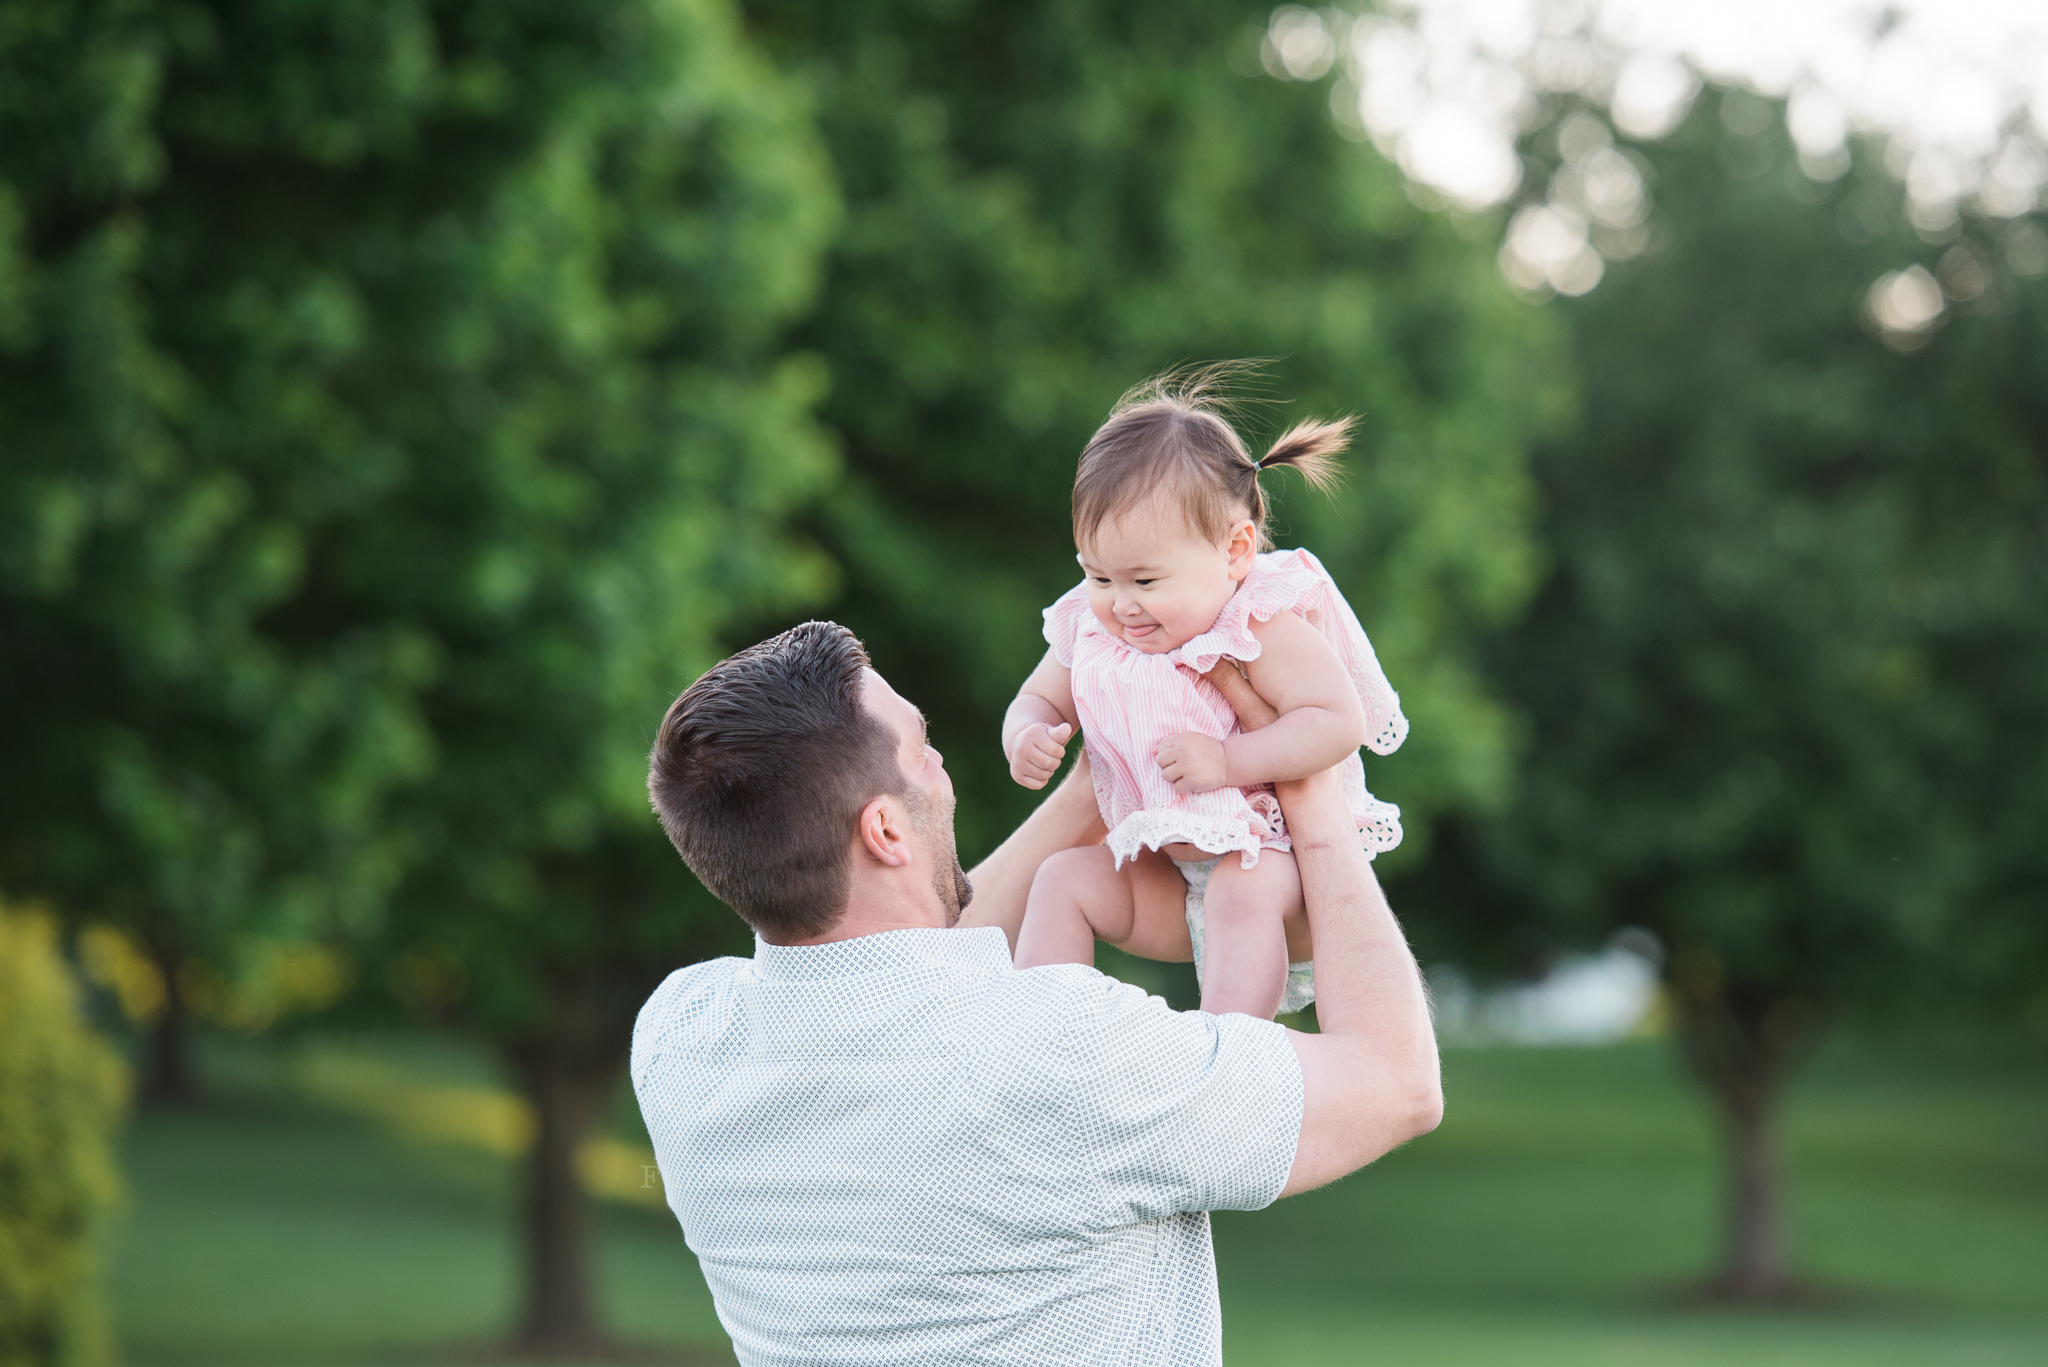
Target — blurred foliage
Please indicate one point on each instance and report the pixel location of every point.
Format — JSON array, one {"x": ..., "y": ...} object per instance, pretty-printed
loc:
[
  {"x": 1783, "y": 686},
  {"x": 180, "y": 763},
  {"x": 1048, "y": 203},
  {"x": 60, "y": 1098},
  {"x": 279, "y": 980},
  {"x": 397, "y": 409},
  {"x": 392, "y": 397}
]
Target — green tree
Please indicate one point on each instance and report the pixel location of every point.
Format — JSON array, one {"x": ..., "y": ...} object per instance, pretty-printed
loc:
[
  {"x": 1048, "y": 203},
  {"x": 1783, "y": 685},
  {"x": 176, "y": 766},
  {"x": 424, "y": 405}
]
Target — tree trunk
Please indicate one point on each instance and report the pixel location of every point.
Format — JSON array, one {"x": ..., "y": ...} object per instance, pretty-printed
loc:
[
  {"x": 167, "y": 1073},
  {"x": 567, "y": 1086},
  {"x": 1754, "y": 1261},
  {"x": 1742, "y": 1045}
]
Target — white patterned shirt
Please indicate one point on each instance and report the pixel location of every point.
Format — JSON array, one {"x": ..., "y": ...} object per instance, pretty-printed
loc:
[{"x": 899, "y": 1149}]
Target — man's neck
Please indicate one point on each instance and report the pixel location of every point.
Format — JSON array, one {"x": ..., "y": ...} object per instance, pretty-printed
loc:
[{"x": 878, "y": 903}]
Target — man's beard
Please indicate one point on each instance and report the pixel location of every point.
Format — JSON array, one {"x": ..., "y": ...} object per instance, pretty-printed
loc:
[{"x": 935, "y": 828}]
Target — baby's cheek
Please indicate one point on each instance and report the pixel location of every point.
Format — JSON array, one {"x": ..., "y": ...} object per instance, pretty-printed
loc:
[{"x": 1191, "y": 619}]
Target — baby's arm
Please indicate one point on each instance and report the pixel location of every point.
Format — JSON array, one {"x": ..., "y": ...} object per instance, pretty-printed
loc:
[
  {"x": 1321, "y": 720},
  {"x": 1039, "y": 723}
]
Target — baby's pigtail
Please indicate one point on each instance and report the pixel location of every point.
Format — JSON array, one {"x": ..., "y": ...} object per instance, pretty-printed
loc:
[{"x": 1311, "y": 448}]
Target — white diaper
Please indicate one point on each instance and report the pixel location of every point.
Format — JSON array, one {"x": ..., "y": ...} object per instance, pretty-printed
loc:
[{"x": 1301, "y": 980}]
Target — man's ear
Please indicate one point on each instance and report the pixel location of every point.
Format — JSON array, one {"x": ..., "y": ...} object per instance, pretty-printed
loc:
[
  {"x": 1242, "y": 546},
  {"x": 884, "y": 832}
]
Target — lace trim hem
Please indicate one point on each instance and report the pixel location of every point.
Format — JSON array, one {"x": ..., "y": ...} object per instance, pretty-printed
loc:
[
  {"x": 1379, "y": 830},
  {"x": 1154, "y": 829},
  {"x": 1379, "y": 826}
]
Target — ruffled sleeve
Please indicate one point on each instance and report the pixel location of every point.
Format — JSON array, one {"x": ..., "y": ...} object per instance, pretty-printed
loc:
[
  {"x": 1295, "y": 580},
  {"x": 1065, "y": 620}
]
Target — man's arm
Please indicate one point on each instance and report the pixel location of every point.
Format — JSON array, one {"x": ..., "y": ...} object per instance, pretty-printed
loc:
[
  {"x": 1371, "y": 1080},
  {"x": 1002, "y": 881}
]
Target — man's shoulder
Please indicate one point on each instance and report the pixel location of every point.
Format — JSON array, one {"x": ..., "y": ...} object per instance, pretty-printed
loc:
[
  {"x": 1110, "y": 1036},
  {"x": 1088, "y": 994},
  {"x": 1167, "y": 1110},
  {"x": 1080, "y": 1011},
  {"x": 1055, "y": 1020},
  {"x": 693, "y": 1006}
]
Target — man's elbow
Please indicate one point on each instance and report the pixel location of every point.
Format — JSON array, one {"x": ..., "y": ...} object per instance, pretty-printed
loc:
[
  {"x": 1401, "y": 1120},
  {"x": 1424, "y": 1111}
]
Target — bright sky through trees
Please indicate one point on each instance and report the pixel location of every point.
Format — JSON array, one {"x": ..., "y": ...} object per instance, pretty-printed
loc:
[{"x": 1956, "y": 91}]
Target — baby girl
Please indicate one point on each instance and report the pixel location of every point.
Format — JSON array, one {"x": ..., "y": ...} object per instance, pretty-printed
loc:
[{"x": 1171, "y": 523}]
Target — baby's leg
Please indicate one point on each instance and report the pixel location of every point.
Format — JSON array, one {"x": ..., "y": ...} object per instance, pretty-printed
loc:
[
  {"x": 1079, "y": 896},
  {"x": 1246, "y": 918}
]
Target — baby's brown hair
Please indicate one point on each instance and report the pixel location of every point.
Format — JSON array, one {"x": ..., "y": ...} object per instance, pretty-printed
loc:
[{"x": 1169, "y": 435}]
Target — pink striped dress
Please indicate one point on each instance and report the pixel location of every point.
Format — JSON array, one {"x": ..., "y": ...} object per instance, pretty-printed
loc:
[{"x": 1129, "y": 701}]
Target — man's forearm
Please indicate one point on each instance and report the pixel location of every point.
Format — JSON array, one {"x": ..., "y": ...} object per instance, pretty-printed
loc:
[
  {"x": 1002, "y": 881},
  {"x": 1371, "y": 1078}
]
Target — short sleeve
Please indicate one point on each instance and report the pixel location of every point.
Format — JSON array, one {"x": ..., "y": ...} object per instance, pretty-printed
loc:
[
  {"x": 1064, "y": 621},
  {"x": 1180, "y": 1110}
]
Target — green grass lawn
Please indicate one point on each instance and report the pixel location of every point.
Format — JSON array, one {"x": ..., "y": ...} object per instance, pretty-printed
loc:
[{"x": 1567, "y": 1195}]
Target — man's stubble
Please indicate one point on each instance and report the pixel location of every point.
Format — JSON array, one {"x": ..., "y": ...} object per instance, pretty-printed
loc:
[{"x": 934, "y": 820}]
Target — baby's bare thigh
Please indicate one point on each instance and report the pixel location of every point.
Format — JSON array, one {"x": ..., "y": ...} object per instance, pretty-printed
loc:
[
  {"x": 1140, "y": 908},
  {"x": 1272, "y": 887}
]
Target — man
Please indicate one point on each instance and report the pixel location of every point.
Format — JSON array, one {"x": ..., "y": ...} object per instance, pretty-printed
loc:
[{"x": 886, "y": 1145}]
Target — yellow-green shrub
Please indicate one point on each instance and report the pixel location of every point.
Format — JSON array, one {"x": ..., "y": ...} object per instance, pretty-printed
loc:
[{"x": 60, "y": 1097}]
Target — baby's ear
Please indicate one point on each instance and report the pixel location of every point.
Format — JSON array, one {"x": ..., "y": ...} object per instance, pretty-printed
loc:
[{"x": 1242, "y": 548}]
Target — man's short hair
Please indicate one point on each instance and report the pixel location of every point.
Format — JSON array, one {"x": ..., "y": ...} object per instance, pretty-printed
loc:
[{"x": 760, "y": 772}]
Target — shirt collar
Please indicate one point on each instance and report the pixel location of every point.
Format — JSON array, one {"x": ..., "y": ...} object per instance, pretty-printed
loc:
[{"x": 981, "y": 949}]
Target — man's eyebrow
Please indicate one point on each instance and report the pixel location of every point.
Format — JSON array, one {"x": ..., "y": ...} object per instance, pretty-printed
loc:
[{"x": 924, "y": 728}]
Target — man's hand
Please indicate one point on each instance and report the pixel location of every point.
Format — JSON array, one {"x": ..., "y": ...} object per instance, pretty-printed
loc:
[
  {"x": 1192, "y": 762},
  {"x": 1252, "y": 710},
  {"x": 1038, "y": 753}
]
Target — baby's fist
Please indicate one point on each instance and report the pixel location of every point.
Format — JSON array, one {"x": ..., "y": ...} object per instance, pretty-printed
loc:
[
  {"x": 1038, "y": 752},
  {"x": 1192, "y": 762}
]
